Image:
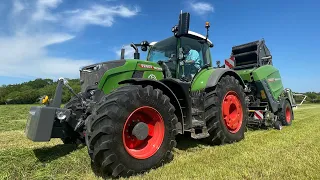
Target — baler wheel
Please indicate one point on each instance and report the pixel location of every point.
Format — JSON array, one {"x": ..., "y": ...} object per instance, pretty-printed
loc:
[
  {"x": 226, "y": 112},
  {"x": 286, "y": 114},
  {"x": 278, "y": 125},
  {"x": 131, "y": 131}
]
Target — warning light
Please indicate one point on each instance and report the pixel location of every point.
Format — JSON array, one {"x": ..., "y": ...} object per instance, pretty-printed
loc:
[{"x": 207, "y": 24}]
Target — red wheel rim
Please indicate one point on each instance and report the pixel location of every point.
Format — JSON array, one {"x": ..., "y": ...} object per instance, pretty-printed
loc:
[
  {"x": 232, "y": 111},
  {"x": 143, "y": 149},
  {"x": 288, "y": 115}
]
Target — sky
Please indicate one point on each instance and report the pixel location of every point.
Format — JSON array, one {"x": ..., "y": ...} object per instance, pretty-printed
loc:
[{"x": 54, "y": 38}]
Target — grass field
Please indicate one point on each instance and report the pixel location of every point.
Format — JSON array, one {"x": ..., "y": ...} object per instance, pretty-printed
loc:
[{"x": 292, "y": 153}]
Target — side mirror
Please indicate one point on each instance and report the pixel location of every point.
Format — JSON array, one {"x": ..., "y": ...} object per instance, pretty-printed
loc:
[
  {"x": 144, "y": 48},
  {"x": 144, "y": 45},
  {"x": 218, "y": 63}
]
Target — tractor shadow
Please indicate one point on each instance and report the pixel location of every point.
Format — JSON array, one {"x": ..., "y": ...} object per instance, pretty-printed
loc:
[
  {"x": 48, "y": 154},
  {"x": 185, "y": 142}
]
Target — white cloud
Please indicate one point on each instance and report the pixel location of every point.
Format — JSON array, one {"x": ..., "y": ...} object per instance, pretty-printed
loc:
[
  {"x": 17, "y": 7},
  {"x": 99, "y": 15},
  {"x": 201, "y": 7},
  {"x": 43, "y": 10},
  {"x": 25, "y": 56},
  {"x": 25, "y": 53},
  {"x": 128, "y": 53}
]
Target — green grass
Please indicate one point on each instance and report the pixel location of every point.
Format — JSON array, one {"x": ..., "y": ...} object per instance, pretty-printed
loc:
[{"x": 292, "y": 153}]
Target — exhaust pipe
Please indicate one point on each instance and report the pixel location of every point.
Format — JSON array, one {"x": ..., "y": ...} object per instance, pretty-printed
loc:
[{"x": 122, "y": 53}]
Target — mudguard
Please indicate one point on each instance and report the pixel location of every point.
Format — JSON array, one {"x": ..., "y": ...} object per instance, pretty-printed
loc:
[
  {"x": 165, "y": 89},
  {"x": 218, "y": 73},
  {"x": 209, "y": 77},
  {"x": 287, "y": 95},
  {"x": 274, "y": 104}
]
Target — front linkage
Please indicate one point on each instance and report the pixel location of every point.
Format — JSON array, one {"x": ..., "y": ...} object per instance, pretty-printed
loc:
[{"x": 52, "y": 121}]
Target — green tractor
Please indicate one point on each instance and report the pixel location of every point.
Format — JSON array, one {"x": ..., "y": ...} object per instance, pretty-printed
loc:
[{"x": 129, "y": 112}]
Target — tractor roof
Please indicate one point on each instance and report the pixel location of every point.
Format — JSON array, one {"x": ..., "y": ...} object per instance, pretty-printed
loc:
[
  {"x": 198, "y": 35},
  {"x": 190, "y": 33}
]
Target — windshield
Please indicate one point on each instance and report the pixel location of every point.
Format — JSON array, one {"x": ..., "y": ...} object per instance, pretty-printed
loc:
[{"x": 164, "y": 50}]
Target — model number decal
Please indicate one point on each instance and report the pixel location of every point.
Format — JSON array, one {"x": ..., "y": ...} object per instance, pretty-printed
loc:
[
  {"x": 147, "y": 66},
  {"x": 274, "y": 79}
]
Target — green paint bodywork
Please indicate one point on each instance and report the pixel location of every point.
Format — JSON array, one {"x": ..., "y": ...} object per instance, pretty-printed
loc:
[
  {"x": 112, "y": 80},
  {"x": 156, "y": 74},
  {"x": 245, "y": 74},
  {"x": 129, "y": 66},
  {"x": 268, "y": 73},
  {"x": 273, "y": 78},
  {"x": 112, "y": 77},
  {"x": 201, "y": 79}
]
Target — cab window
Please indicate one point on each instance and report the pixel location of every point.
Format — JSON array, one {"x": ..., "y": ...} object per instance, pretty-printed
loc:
[
  {"x": 198, "y": 51},
  {"x": 196, "y": 55}
]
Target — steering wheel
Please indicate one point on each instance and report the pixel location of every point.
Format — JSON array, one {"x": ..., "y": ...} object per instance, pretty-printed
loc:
[{"x": 164, "y": 61}]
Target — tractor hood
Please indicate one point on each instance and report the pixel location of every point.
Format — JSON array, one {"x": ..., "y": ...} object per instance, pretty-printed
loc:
[{"x": 96, "y": 75}]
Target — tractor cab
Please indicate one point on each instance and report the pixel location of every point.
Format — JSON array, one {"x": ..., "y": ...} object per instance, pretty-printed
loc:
[{"x": 182, "y": 56}]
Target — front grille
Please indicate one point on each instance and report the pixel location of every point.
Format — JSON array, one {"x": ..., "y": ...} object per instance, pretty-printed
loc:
[{"x": 91, "y": 75}]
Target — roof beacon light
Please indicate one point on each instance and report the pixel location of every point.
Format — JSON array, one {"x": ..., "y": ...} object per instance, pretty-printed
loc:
[{"x": 207, "y": 25}]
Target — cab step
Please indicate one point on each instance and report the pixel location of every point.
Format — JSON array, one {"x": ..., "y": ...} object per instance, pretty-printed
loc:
[{"x": 195, "y": 134}]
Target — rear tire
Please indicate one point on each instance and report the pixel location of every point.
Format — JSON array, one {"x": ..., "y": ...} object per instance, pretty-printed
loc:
[
  {"x": 286, "y": 114},
  {"x": 110, "y": 131},
  {"x": 226, "y": 112}
]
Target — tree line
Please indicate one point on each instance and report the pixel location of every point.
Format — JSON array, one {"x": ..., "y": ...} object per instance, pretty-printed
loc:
[
  {"x": 313, "y": 97},
  {"x": 31, "y": 92}
]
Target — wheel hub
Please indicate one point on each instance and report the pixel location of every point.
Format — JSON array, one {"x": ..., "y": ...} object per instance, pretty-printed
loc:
[
  {"x": 143, "y": 132},
  {"x": 140, "y": 130},
  {"x": 232, "y": 111}
]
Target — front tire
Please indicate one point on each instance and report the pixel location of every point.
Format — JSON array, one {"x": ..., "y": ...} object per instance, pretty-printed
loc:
[
  {"x": 131, "y": 131},
  {"x": 226, "y": 112}
]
